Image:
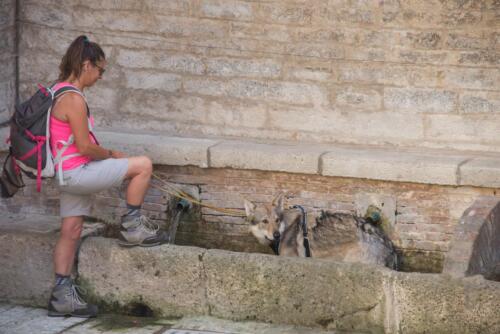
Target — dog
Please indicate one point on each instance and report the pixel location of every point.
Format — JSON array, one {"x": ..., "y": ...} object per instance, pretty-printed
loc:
[{"x": 336, "y": 236}]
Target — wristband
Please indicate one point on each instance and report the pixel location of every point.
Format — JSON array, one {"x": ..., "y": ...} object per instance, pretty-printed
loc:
[{"x": 110, "y": 153}]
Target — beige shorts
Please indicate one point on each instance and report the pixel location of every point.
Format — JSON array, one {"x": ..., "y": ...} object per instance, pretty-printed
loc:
[{"x": 86, "y": 180}]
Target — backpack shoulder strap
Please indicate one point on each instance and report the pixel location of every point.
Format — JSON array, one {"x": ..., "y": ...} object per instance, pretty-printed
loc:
[{"x": 66, "y": 89}]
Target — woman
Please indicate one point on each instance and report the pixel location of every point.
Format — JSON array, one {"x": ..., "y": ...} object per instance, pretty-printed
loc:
[{"x": 88, "y": 168}]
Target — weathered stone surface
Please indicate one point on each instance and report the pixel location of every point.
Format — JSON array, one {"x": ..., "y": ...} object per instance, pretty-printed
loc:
[
  {"x": 4, "y": 133},
  {"x": 245, "y": 155},
  {"x": 462, "y": 128},
  {"x": 358, "y": 98},
  {"x": 168, "y": 279},
  {"x": 26, "y": 245},
  {"x": 419, "y": 100},
  {"x": 387, "y": 165},
  {"x": 427, "y": 303},
  {"x": 163, "y": 150},
  {"x": 247, "y": 68},
  {"x": 481, "y": 172},
  {"x": 480, "y": 102},
  {"x": 407, "y": 57},
  {"x": 238, "y": 10},
  {"x": 258, "y": 287}
]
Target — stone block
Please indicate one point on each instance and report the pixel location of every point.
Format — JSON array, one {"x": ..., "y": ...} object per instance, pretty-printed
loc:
[
  {"x": 39, "y": 13},
  {"x": 462, "y": 128},
  {"x": 472, "y": 78},
  {"x": 155, "y": 6},
  {"x": 161, "y": 149},
  {"x": 315, "y": 50},
  {"x": 419, "y": 100},
  {"x": 165, "y": 61},
  {"x": 264, "y": 31},
  {"x": 7, "y": 18},
  {"x": 480, "y": 102},
  {"x": 196, "y": 28},
  {"x": 168, "y": 279},
  {"x": 235, "y": 10},
  {"x": 135, "y": 59},
  {"x": 427, "y": 303},
  {"x": 258, "y": 287},
  {"x": 420, "y": 39},
  {"x": 181, "y": 63},
  {"x": 481, "y": 172},
  {"x": 467, "y": 40},
  {"x": 353, "y": 97},
  {"x": 103, "y": 97},
  {"x": 141, "y": 106},
  {"x": 227, "y": 67},
  {"x": 285, "y": 13},
  {"x": 483, "y": 58},
  {"x": 37, "y": 68},
  {"x": 153, "y": 80},
  {"x": 361, "y": 73},
  {"x": 366, "y": 54},
  {"x": 287, "y": 92},
  {"x": 411, "y": 75},
  {"x": 312, "y": 70},
  {"x": 413, "y": 56},
  {"x": 27, "y": 245},
  {"x": 246, "y": 155},
  {"x": 364, "y": 13},
  {"x": 391, "y": 165},
  {"x": 357, "y": 127}
]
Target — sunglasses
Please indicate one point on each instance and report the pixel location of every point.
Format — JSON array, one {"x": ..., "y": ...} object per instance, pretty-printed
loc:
[{"x": 101, "y": 69}]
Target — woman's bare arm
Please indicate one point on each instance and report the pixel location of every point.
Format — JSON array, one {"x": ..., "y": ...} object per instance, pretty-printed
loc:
[{"x": 74, "y": 109}]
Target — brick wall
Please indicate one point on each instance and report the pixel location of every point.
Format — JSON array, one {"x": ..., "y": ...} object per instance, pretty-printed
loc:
[
  {"x": 405, "y": 73},
  {"x": 422, "y": 217},
  {"x": 7, "y": 58}
]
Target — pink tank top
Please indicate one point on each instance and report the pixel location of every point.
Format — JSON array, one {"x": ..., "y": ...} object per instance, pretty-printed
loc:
[{"x": 60, "y": 130}]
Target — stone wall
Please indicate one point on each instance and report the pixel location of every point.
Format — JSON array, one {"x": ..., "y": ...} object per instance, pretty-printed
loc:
[
  {"x": 7, "y": 58},
  {"x": 403, "y": 73}
]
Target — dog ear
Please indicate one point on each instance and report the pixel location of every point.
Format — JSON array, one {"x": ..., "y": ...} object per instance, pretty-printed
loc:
[
  {"x": 249, "y": 208},
  {"x": 279, "y": 202}
]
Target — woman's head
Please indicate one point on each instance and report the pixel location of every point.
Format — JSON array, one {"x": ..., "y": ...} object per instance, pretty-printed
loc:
[{"x": 84, "y": 60}]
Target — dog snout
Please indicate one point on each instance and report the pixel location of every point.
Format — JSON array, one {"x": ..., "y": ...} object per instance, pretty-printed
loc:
[{"x": 276, "y": 235}]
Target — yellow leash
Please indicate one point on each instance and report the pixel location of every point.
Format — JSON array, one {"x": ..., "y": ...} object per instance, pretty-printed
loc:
[{"x": 174, "y": 191}]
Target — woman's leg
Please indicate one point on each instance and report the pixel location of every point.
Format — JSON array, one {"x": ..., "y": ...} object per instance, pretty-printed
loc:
[
  {"x": 63, "y": 300},
  {"x": 139, "y": 171},
  {"x": 64, "y": 253},
  {"x": 138, "y": 230}
]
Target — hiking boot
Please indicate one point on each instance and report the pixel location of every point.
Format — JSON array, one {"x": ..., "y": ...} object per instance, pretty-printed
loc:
[
  {"x": 66, "y": 300},
  {"x": 140, "y": 231}
]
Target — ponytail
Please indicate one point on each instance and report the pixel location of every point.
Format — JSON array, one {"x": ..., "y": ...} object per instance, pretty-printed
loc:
[{"x": 80, "y": 50}]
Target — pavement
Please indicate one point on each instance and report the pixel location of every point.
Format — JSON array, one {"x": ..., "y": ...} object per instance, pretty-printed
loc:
[{"x": 15, "y": 319}]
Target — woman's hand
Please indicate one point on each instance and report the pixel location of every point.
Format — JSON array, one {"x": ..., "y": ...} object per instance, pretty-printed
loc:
[{"x": 118, "y": 154}]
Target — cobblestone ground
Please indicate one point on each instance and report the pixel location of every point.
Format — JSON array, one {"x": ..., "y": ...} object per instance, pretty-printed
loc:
[{"x": 25, "y": 320}]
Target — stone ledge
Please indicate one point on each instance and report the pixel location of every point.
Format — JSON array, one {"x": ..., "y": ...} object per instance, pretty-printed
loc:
[
  {"x": 442, "y": 167},
  {"x": 179, "y": 281},
  {"x": 162, "y": 149},
  {"x": 392, "y": 166},
  {"x": 281, "y": 158}
]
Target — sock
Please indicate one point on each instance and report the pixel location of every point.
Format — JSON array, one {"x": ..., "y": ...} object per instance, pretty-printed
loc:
[
  {"x": 62, "y": 279},
  {"x": 133, "y": 210}
]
